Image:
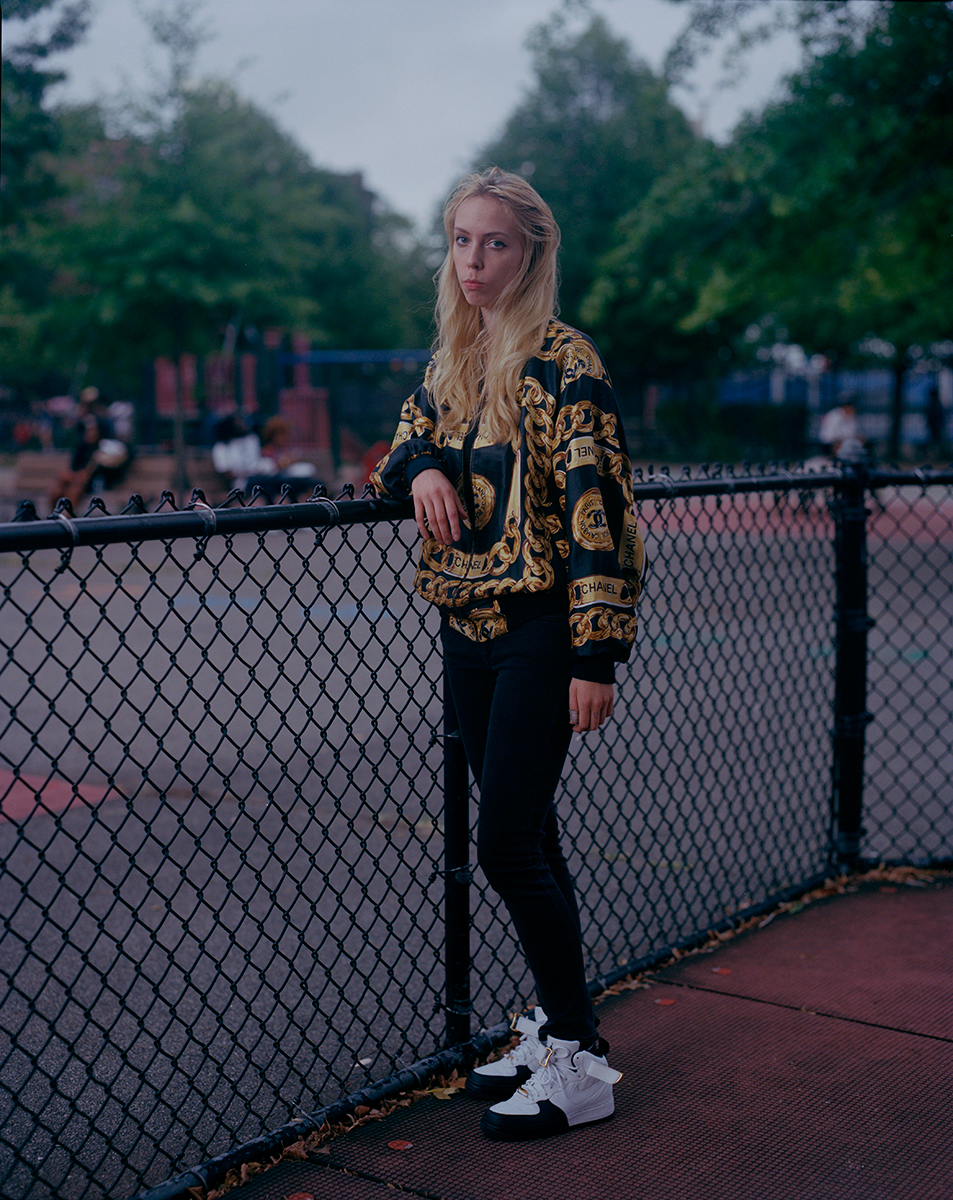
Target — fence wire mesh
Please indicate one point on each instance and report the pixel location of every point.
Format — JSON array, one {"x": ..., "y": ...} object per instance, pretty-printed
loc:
[
  {"x": 222, "y": 798},
  {"x": 909, "y": 761}
]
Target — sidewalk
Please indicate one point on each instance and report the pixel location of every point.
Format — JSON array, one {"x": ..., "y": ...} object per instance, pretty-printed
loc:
[{"x": 808, "y": 1059}]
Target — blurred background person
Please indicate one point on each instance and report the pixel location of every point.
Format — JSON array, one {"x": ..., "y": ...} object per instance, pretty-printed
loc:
[
  {"x": 236, "y": 452},
  {"x": 99, "y": 460},
  {"x": 280, "y": 465},
  {"x": 839, "y": 432}
]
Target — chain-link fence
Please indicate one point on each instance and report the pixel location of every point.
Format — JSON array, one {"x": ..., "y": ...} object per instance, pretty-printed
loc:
[{"x": 231, "y": 890}]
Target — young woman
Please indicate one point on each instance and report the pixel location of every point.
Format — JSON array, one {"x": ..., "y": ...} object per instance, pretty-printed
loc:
[{"x": 515, "y": 457}]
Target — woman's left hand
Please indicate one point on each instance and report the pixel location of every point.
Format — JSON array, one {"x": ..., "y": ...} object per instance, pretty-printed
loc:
[{"x": 590, "y": 703}]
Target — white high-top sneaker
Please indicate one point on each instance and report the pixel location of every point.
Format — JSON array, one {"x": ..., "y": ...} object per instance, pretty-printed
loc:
[
  {"x": 500, "y": 1079},
  {"x": 572, "y": 1087}
]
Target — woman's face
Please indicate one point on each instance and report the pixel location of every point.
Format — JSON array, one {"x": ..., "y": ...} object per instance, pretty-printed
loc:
[{"x": 487, "y": 251}]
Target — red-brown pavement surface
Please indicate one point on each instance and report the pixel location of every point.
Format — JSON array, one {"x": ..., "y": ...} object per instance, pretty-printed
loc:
[{"x": 808, "y": 1059}]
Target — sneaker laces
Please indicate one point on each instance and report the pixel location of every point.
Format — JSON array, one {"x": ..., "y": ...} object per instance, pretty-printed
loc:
[
  {"x": 556, "y": 1068},
  {"x": 526, "y": 1054},
  {"x": 550, "y": 1076}
]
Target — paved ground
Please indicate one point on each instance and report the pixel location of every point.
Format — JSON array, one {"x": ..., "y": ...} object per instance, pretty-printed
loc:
[{"x": 811, "y": 1059}]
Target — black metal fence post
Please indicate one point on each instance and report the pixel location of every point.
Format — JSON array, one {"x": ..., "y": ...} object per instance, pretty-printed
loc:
[
  {"x": 456, "y": 863},
  {"x": 850, "y": 681}
]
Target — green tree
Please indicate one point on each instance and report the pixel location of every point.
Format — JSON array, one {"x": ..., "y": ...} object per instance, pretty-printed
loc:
[
  {"x": 819, "y": 25},
  {"x": 855, "y": 228},
  {"x": 28, "y": 131},
  {"x": 830, "y": 215},
  {"x": 30, "y": 135},
  {"x": 648, "y": 284},
  {"x": 222, "y": 218},
  {"x": 593, "y": 134},
  {"x": 187, "y": 213}
]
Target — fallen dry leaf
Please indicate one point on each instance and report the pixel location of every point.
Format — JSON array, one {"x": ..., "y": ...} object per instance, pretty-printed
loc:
[{"x": 448, "y": 1090}]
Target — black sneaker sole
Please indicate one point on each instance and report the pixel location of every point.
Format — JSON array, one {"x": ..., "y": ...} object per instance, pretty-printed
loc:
[{"x": 547, "y": 1123}]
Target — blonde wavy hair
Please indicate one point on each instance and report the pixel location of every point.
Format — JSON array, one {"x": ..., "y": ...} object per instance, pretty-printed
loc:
[{"x": 473, "y": 370}]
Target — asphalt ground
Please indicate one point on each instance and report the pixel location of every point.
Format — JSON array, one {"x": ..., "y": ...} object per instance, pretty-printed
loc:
[{"x": 223, "y": 911}]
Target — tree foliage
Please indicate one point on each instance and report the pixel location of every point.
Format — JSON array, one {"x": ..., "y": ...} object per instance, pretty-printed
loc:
[
  {"x": 821, "y": 26},
  {"x": 828, "y": 219},
  {"x": 220, "y": 219},
  {"x": 28, "y": 131},
  {"x": 848, "y": 232},
  {"x": 648, "y": 284},
  {"x": 593, "y": 134},
  {"x": 186, "y": 214}
]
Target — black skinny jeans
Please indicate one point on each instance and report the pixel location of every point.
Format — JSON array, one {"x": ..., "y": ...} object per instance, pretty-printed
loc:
[{"x": 511, "y": 696}]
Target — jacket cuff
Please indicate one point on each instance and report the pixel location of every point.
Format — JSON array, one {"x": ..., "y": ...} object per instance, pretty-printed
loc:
[
  {"x": 419, "y": 464},
  {"x": 594, "y": 668}
]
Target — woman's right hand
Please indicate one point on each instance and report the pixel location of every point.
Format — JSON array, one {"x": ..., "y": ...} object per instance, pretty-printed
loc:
[{"x": 437, "y": 507}]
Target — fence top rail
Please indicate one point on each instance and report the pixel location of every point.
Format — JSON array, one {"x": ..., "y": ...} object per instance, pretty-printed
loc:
[
  {"x": 719, "y": 481},
  {"x": 199, "y": 520},
  {"x": 65, "y": 530},
  {"x": 922, "y": 476}
]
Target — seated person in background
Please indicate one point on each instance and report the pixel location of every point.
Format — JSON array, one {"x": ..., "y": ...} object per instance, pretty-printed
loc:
[
  {"x": 275, "y": 439},
  {"x": 280, "y": 466},
  {"x": 840, "y": 430},
  {"x": 99, "y": 461},
  {"x": 236, "y": 452}
]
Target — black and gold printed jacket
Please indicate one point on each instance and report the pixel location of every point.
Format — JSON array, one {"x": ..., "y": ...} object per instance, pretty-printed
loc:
[{"x": 551, "y": 526}]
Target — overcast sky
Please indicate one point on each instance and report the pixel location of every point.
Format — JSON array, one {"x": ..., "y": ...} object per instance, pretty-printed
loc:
[{"x": 405, "y": 91}]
